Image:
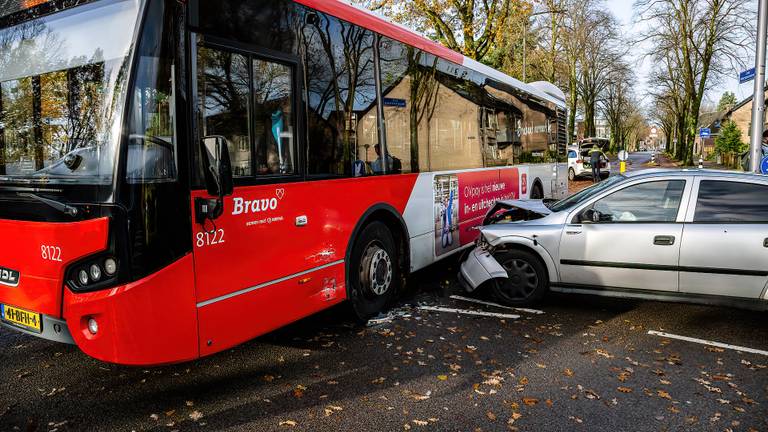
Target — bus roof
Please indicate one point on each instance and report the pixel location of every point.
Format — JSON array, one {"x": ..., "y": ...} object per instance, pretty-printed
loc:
[{"x": 372, "y": 21}]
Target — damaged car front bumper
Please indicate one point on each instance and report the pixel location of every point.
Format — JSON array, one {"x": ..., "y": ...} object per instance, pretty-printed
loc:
[{"x": 480, "y": 267}]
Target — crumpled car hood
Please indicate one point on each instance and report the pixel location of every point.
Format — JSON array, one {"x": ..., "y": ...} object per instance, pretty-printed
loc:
[{"x": 536, "y": 206}]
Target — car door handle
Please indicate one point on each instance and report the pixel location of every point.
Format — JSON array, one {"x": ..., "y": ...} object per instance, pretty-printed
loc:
[{"x": 664, "y": 240}]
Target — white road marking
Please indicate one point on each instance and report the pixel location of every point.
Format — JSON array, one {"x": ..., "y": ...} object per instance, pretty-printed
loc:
[
  {"x": 467, "y": 299},
  {"x": 468, "y": 312},
  {"x": 706, "y": 342}
]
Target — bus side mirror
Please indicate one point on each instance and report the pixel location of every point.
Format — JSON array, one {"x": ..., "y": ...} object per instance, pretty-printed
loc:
[
  {"x": 218, "y": 179},
  {"x": 218, "y": 168}
]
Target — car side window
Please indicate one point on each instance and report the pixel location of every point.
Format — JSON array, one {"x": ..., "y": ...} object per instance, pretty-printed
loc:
[
  {"x": 734, "y": 202},
  {"x": 651, "y": 202}
]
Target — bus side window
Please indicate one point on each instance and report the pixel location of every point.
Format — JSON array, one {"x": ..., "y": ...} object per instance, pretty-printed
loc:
[
  {"x": 341, "y": 94},
  {"x": 223, "y": 92},
  {"x": 274, "y": 129}
]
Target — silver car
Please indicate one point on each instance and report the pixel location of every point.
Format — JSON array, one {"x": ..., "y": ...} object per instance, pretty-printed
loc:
[{"x": 693, "y": 236}]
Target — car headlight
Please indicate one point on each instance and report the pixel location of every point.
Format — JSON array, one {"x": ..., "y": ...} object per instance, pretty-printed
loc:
[{"x": 482, "y": 242}]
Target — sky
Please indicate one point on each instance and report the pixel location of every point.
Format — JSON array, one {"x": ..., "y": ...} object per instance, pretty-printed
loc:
[{"x": 623, "y": 10}]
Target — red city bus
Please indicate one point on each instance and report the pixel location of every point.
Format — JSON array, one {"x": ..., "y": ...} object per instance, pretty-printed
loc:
[{"x": 179, "y": 177}]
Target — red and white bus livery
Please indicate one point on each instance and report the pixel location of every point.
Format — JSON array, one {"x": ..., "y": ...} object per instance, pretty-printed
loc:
[{"x": 179, "y": 177}]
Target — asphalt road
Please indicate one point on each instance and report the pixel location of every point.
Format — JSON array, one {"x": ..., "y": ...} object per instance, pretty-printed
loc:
[{"x": 584, "y": 364}]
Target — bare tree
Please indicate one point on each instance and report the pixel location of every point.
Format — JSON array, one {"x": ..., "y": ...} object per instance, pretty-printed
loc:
[
  {"x": 699, "y": 41},
  {"x": 468, "y": 26}
]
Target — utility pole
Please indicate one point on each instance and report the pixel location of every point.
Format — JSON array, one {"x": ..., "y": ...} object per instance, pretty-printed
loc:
[{"x": 758, "y": 100}]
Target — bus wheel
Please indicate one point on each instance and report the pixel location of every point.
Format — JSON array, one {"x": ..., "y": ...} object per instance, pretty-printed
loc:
[
  {"x": 537, "y": 192},
  {"x": 374, "y": 271}
]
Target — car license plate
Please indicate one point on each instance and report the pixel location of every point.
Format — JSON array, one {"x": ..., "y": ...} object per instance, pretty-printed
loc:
[{"x": 22, "y": 318}]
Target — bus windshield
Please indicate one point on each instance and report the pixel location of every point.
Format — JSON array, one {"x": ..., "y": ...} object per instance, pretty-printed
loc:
[{"x": 62, "y": 80}]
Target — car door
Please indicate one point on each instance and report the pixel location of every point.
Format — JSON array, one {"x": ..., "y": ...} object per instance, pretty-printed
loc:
[
  {"x": 725, "y": 242},
  {"x": 636, "y": 242}
]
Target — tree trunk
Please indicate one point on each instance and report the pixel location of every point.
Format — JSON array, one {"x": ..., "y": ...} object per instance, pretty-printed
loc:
[
  {"x": 573, "y": 99},
  {"x": 37, "y": 122},
  {"x": 414, "y": 125}
]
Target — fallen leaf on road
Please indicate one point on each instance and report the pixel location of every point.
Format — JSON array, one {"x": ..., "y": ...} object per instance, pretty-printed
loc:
[
  {"x": 530, "y": 401},
  {"x": 196, "y": 415},
  {"x": 420, "y": 422},
  {"x": 568, "y": 372},
  {"x": 625, "y": 389},
  {"x": 442, "y": 377},
  {"x": 491, "y": 416},
  {"x": 289, "y": 423},
  {"x": 664, "y": 394},
  {"x": 298, "y": 392}
]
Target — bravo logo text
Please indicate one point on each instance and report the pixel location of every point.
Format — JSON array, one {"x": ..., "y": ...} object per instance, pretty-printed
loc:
[{"x": 243, "y": 206}]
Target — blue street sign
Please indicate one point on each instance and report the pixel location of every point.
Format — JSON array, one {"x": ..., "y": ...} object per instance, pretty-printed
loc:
[
  {"x": 747, "y": 76},
  {"x": 764, "y": 165},
  {"x": 391, "y": 102},
  {"x": 705, "y": 133}
]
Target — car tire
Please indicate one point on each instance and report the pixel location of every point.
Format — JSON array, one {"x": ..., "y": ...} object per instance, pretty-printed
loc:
[
  {"x": 571, "y": 174},
  {"x": 374, "y": 271},
  {"x": 528, "y": 280}
]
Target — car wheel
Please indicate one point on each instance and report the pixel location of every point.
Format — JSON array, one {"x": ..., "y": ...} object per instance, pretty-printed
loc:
[
  {"x": 571, "y": 174},
  {"x": 374, "y": 271},
  {"x": 527, "y": 280}
]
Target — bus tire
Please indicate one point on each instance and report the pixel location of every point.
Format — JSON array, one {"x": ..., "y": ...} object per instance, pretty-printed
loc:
[
  {"x": 374, "y": 271},
  {"x": 537, "y": 192},
  {"x": 528, "y": 280}
]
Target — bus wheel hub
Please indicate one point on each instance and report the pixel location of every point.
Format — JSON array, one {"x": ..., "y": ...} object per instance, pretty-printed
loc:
[{"x": 380, "y": 270}]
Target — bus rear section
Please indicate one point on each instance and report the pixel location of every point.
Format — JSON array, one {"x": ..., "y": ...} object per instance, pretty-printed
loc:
[{"x": 213, "y": 174}]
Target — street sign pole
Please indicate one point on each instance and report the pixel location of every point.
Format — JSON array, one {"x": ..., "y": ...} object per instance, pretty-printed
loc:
[{"x": 758, "y": 101}]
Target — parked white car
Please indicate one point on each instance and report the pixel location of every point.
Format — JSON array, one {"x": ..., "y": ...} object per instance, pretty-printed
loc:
[
  {"x": 579, "y": 163},
  {"x": 693, "y": 236}
]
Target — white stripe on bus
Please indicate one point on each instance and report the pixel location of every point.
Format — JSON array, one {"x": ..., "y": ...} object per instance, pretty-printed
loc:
[{"x": 266, "y": 284}]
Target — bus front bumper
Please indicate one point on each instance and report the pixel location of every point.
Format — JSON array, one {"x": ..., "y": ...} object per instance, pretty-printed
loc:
[{"x": 53, "y": 329}]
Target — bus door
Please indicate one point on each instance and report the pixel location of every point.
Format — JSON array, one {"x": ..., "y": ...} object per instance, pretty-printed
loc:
[{"x": 251, "y": 268}]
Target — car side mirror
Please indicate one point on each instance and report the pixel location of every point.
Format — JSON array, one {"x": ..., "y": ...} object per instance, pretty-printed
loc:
[
  {"x": 218, "y": 178},
  {"x": 590, "y": 215}
]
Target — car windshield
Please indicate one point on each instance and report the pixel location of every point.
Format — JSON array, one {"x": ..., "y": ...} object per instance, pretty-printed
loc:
[
  {"x": 586, "y": 194},
  {"x": 62, "y": 79}
]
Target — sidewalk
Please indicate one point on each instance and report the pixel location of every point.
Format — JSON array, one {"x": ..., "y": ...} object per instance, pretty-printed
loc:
[{"x": 663, "y": 161}]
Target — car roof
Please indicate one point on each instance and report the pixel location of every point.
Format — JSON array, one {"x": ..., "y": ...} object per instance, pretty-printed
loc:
[{"x": 692, "y": 172}]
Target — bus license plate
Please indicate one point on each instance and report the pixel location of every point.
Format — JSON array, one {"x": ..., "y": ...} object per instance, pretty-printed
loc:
[{"x": 22, "y": 318}]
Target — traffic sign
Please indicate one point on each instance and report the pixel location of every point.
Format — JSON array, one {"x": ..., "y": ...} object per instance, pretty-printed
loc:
[
  {"x": 764, "y": 165},
  {"x": 623, "y": 155},
  {"x": 747, "y": 76},
  {"x": 705, "y": 133}
]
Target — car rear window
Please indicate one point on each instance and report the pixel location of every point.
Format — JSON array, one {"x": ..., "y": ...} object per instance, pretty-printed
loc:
[{"x": 727, "y": 201}]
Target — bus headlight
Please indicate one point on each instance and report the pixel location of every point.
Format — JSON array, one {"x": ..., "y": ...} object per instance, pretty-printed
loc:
[
  {"x": 82, "y": 277},
  {"x": 110, "y": 266},
  {"x": 92, "y": 274},
  {"x": 95, "y": 272}
]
